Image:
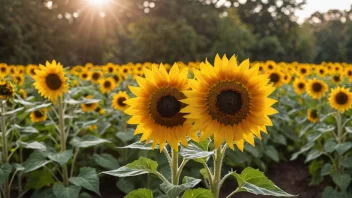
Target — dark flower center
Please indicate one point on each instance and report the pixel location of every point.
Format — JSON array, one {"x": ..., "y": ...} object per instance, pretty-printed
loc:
[
  {"x": 303, "y": 71},
  {"x": 111, "y": 69},
  {"x": 274, "y": 77},
  {"x": 116, "y": 78},
  {"x": 107, "y": 84},
  {"x": 38, "y": 114},
  {"x": 341, "y": 98},
  {"x": 314, "y": 114},
  {"x": 270, "y": 67},
  {"x": 32, "y": 71},
  {"x": 336, "y": 78},
  {"x": 96, "y": 76},
  {"x": 84, "y": 75},
  {"x": 18, "y": 79},
  {"x": 301, "y": 85},
  {"x": 317, "y": 87},
  {"x": 121, "y": 101},
  {"x": 321, "y": 71},
  {"x": 53, "y": 81},
  {"x": 3, "y": 69},
  {"x": 229, "y": 102},
  {"x": 349, "y": 73},
  {"x": 125, "y": 70},
  {"x": 168, "y": 106}
]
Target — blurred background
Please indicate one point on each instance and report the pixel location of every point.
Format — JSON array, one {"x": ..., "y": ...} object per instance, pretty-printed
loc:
[{"x": 101, "y": 31}]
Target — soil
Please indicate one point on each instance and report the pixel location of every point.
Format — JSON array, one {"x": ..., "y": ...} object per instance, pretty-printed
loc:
[{"x": 292, "y": 177}]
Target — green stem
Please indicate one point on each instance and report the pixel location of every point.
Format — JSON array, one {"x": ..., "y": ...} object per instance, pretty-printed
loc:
[
  {"x": 174, "y": 167},
  {"x": 210, "y": 176},
  {"x": 234, "y": 192},
  {"x": 74, "y": 161},
  {"x": 179, "y": 171},
  {"x": 339, "y": 138},
  {"x": 4, "y": 147},
  {"x": 19, "y": 176},
  {"x": 62, "y": 139},
  {"x": 216, "y": 183}
]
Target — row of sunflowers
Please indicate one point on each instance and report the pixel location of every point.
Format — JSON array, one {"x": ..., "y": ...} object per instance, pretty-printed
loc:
[{"x": 65, "y": 125}]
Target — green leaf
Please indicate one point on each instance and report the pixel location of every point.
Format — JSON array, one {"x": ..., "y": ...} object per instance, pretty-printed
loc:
[
  {"x": 125, "y": 185},
  {"x": 43, "y": 193},
  {"x": 140, "y": 145},
  {"x": 271, "y": 152},
  {"x": 305, "y": 129},
  {"x": 24, "y": 102},
  {"x": 329, "y": 146},
  {"x": 5, "y": 172},
  {"x": 61, "y": 191},
  {"x": 173, "y": 191},
  {"x": 61, "y": 158},
  {"x": 38, "y": 179},
  {"x": 302, "y": 150},
  {"x": 140, "y": 193},
  {"x": 27, "y": 129},
  {"x": 125, "y": 136},
  {"x": 33, "y": 145},
  {"x": 313, "y": 154},
  {"x": 252, "y": 150},
  {"x": 13, "y": 111},
  {"x": 341, "y": 148},
  {"x": 38, "y": 107},
  {"x": 347, "y": 162},
  {"x": 139, "y": 167},
  {"x": 194, "y": 152},
  {"x": 329, "y": 192},
  {"x": 87, "y": 141},
  {"x": 254, "y": 181},
  {"x": 341, "y": 180},
  {"x": 326, "y": 169},
  {"x": 348, "y": 129},
  {"x": 198, "y": 193},
  {"x": 87, "y": 178},
  {"x": 35, "y": 160},
  {"x": 106, "y": 161}
]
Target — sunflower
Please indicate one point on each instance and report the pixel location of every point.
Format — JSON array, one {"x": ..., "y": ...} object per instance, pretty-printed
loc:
[
  {"x": 110, "y": 68},
  {"x": 229, "y": 101},
  {"x": 299, "y": 85},
  {"x": 23, "y": 93},
  {"x": 30, "y": 70},
  {"x": 96, "y": 76},
  {"x": 18, "y": 79},
  {"x": 107, "y": 85},
  {"x": 316, "y": 88},
  {"x": 38, "y": 115},
  {"x": 6, "y": 90},
  {"x": 312, "y": 115},
  {"x": 336, "y": 78},
  {"x": 100, "y": 110},
  {"x": 303, "y": 71},
  {"x": 348, "y": 72},
  {"x": 125, "y": 70},
  {"x": 156, "y": 109},
  {"x": 4, "y": 70},
  {"x": 270, "y": 65},
  {"x": 276, "y": 77},
  {"x": 50, "y": 81},
  {"x": 118, "y": 78},
  {"x": 88, "y": 107},
  {"x": 322, "y": 71},
  {"x": 85, "y": 75},
  {"x": 118, "y": 101},
  {"x": 340, "y": 99},
  {"x": 287, "y": 78}
]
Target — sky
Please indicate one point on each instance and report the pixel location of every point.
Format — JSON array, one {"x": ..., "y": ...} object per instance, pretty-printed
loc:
[{"x": 322, "y": 6}]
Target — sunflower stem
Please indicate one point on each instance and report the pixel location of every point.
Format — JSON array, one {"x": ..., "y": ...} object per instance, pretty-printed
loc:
[
  {"x": 174, "y": 167},
  {"x": 62, "y": 139},
  {"x": 6, "y": 188},
  {"x": 339, "y": 138},
  {"x": 216, "y": 183}
]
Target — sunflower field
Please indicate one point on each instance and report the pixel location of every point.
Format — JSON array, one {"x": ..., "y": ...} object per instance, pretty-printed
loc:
[{"x": 191, "y": 130}]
